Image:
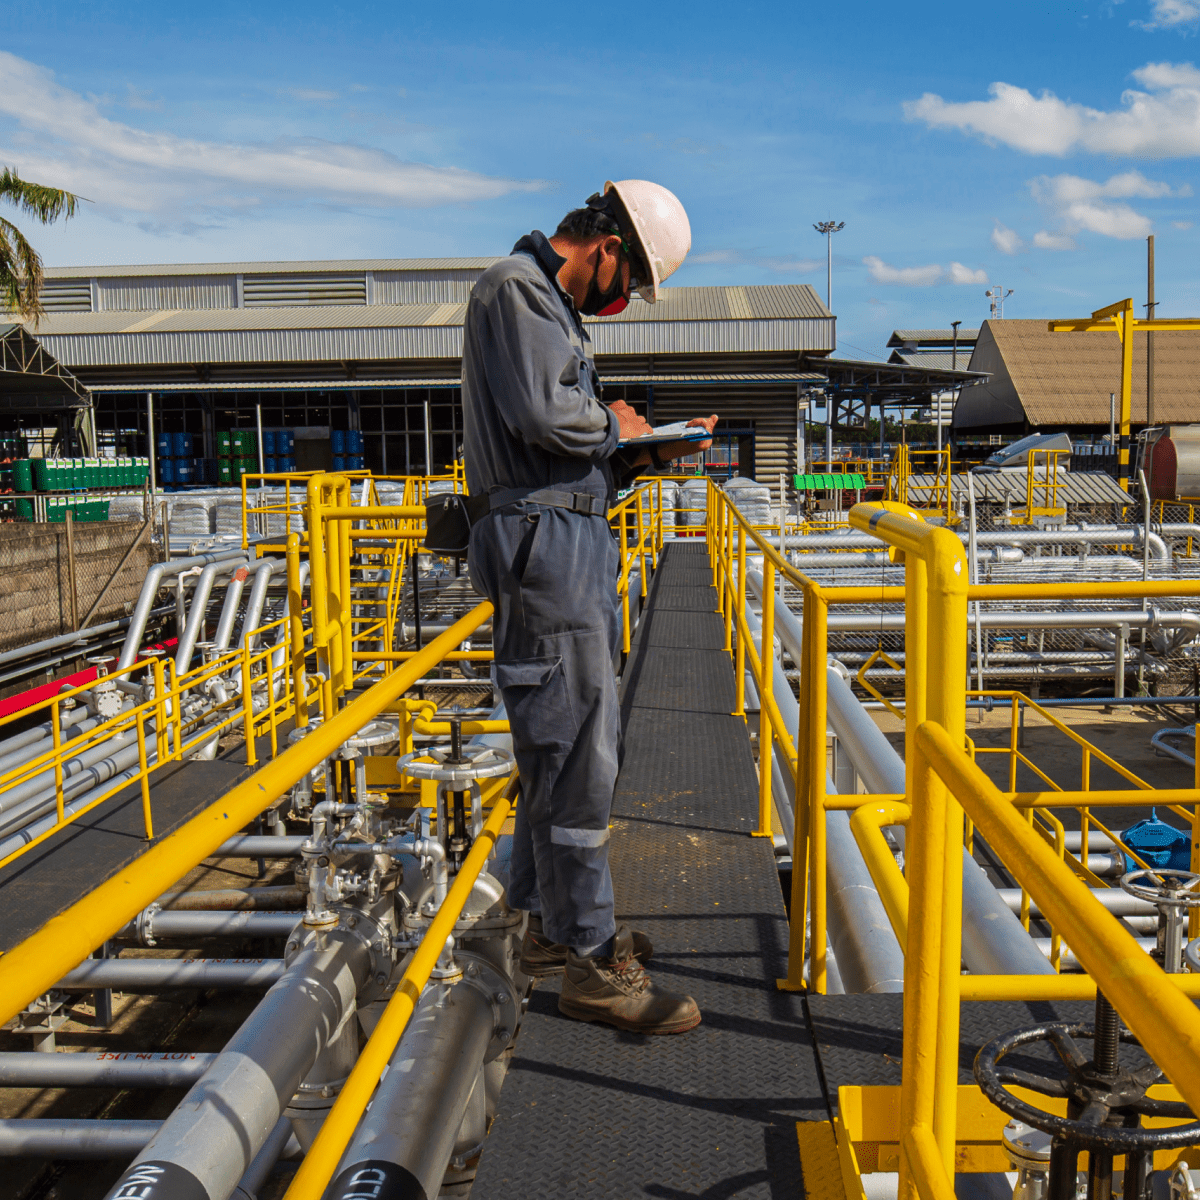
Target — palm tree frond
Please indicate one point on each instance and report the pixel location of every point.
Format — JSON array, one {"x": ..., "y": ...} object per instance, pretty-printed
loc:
[
  {"x": 20, "y": 273},
  {"x": 47, "y": 204}
]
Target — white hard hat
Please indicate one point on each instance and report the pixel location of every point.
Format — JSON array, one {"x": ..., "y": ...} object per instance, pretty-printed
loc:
[{"x": 661, "y": 226}]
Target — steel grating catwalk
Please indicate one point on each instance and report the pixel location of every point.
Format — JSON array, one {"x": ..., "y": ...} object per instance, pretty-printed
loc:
[
  {"x": 51, "y": 877},
  {"x": 588, "y": 1111}
]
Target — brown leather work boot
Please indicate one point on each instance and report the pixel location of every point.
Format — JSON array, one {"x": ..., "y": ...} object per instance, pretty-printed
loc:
[
  {"x": 618, "y": 992},
  {"x": 541, "y": 957}
]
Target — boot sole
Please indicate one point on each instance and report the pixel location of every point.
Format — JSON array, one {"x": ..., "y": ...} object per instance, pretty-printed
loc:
[{"x": 591, "y": 1016}]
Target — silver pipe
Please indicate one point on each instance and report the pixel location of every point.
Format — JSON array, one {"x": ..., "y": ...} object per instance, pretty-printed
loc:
[
  {"x": 263, "y": 571},
  {"x": 868, "y": 955},
  {"x": 264, "y": 1161},
  {"x": 44, "y": 1137},
  {"x": 32, "y": 1068},
  {"x": 63, "y": 639},
  {"x": 1119, "y": 903},
  {"x": 198, "y": 610},
  {"x": 253, "y": 845},
  {"x": 994, "y": 941},
  {"x": 233, "y": 597},
  {"x": 154, "y": 580},
  {"x": 1070, "y": 962},
  {"x": 206, "y": 1144},
  {"x": 156, "y": 923},
  {"x": 39, "y": 739},
  {"x": 406, "y": 1138},
  {"x": 1045, "y": 619},
  {"x": 150, "y": 974}
]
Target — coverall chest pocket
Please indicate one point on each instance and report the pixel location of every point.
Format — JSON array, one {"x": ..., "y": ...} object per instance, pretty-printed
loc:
[{"x": 538, "y": 702}]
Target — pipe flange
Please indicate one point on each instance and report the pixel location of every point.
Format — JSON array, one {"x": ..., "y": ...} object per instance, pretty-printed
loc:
[
  {"x": 145, "y": 924},
  {"x": 501, "y": 992},
  {"x": 358, "y": 923}
]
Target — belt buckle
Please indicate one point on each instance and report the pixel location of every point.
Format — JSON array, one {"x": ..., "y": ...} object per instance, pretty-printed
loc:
[{"x": 581, "y": 502}]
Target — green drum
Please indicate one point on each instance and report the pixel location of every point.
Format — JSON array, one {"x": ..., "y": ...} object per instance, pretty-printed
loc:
[{"x": 22, "y": 475}]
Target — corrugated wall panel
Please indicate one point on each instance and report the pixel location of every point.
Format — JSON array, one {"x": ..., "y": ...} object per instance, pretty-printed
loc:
[
  {"x": 424, "y": 287},
  {"x": 145, "y": 294},
  {"x": 724, "y": 337}
]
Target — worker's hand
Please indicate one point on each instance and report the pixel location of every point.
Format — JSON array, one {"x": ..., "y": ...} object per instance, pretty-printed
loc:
[
  {"x": 631, "y": 424},
  {"x": 683, "y": 449}
]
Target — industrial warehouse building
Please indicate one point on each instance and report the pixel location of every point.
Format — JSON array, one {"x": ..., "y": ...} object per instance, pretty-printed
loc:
[
  {"x": 1040, "y": 381},
  {"x": 376, "y": 346}
]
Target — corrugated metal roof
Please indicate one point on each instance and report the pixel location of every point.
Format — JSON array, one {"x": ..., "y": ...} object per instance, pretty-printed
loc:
[
  {"x": 266, "y": 268},
  {"x": 1060, "y": 379},
  {"x": 770, "y": 302},
  {"x": 941, "y": 360},
  {"x": 368, "y": 384},
  {"x": 900, "y": 336}
]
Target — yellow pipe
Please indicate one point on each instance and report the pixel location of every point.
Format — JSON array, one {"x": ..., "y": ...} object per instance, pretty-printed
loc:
[
  {"x": 867, "y": 826},
  {"x": 817, "y": 717},
  {"x": 322, "y": 1159},
  {"x": 1162, "y": 1018},
  {"x": 37, "y": 963},
  {"x": 1052, "y": 987},
  {"x": 926, "y": 1168}
]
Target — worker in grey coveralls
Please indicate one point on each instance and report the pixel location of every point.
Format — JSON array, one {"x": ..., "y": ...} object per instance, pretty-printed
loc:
[{"x": 543, "y": 447}]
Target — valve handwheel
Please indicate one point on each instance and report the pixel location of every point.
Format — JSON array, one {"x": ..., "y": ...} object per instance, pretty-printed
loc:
[{"x": 1105, "y": 1104}]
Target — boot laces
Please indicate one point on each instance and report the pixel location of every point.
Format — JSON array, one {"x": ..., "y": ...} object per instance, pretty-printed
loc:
[{"x": 629, "y": 975}]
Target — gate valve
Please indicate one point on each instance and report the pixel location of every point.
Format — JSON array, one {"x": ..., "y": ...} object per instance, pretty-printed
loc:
[{"x": 1172, "y": 893}]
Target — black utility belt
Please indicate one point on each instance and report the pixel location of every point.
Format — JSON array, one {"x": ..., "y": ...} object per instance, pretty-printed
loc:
[{"x": 449, "y": 516}]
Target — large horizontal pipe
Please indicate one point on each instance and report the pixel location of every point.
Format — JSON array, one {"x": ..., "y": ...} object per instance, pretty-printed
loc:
[
  {"x": 847, "y": 622},
  {"x": 406, "y": 1138},
  {"x": 203, "y": 1148},
  {"x": 254, "y": 845},
  {"x": 245, "y": 899},
  {"x": 45, "y": 1137},
  {"x": 102, "y": 1069},
  {"x": 166, "y": 924},
  {"x": 150, "y": 974}
]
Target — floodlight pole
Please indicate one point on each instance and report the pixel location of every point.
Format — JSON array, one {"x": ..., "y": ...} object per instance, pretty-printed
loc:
[{"x": 829, "y": 228}]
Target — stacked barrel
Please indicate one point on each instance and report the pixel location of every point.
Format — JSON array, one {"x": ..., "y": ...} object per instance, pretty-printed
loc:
[{"x": 347, "y": 447}]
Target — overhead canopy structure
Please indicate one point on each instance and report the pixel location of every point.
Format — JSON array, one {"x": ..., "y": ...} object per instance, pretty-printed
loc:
[
  {"x": 32, "y": 379},
  {"x": 851, "y": 382},
  {"x": 1044, "y": 380}
]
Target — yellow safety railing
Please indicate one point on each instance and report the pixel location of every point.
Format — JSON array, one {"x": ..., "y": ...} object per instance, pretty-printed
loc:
[{"x": 1041, "y": 492}]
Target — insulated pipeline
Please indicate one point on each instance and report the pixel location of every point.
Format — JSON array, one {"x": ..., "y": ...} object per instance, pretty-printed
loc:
[
  {"x": 44, "y": 1137},
  {"x": 152, "y": 924},
  {"x": 205, "y": 1146},
  {"x": 405, "y": 1140}
]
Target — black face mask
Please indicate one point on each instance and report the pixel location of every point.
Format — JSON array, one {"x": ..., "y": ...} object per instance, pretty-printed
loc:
[{"x": 604, "y": 304}]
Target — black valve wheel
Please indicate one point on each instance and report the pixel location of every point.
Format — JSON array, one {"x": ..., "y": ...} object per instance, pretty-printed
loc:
[{"x": 1105, "y": 1104}]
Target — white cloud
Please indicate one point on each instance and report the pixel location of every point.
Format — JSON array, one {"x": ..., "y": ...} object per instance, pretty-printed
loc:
[
  {"x": 1170, "y": 14},
  {"x": 311, "y": 94},
  {"x": 927, "y": 276},
  {"x": 1081, "y": 205},
  {"x": 793, "y": 266},
  {"x": 1006, "y": 240},
  {"x": 64, "y": 140},
  {"x": 957, "y": 273},
  {"x": 1182, "y": 224},
  {"x": 1161, "y": 121},
  {"x": 1044, "y": 240},
  {"x": 716, "y": 256}
]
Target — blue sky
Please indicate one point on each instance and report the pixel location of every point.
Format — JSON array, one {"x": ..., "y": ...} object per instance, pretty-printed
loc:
[{"x": 1031, "y": 145}]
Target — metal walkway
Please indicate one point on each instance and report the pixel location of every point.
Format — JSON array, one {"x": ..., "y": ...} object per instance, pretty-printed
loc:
[{"x": 589, "y": 1111}]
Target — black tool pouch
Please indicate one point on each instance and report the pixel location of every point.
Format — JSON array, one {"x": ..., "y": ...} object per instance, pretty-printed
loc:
[{"x": 448, "y": 520}]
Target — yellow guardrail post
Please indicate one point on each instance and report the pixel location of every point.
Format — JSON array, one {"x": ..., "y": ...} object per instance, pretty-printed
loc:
[
  {"x": 296, "y": 628},
  {"x": 726, "y": 593},
  {"x": 766, "y": 686},
  {"x": 817, "y": 755},
  {"x": 56, "y": 742},
  {"x": 248, "y": 706},
  {"x": 625, "y": 564},
  {"x": 739, "y": 666},
  {"x": 143, "y": 776},
  {"x": 346, "y": 499}
]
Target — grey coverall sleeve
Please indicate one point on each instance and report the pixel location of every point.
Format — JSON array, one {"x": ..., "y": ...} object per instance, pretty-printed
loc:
[{"x": 541, "y": 383}]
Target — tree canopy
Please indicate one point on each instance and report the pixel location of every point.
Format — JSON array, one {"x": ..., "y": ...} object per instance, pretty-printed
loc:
[{"x": 20, "y": 263}]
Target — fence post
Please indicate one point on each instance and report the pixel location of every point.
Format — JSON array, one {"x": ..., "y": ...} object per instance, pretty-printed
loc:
[{"x": 72, "y": 588}]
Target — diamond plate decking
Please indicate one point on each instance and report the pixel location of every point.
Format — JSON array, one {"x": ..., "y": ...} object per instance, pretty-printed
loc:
[{"x": 587, "y": 1111}]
